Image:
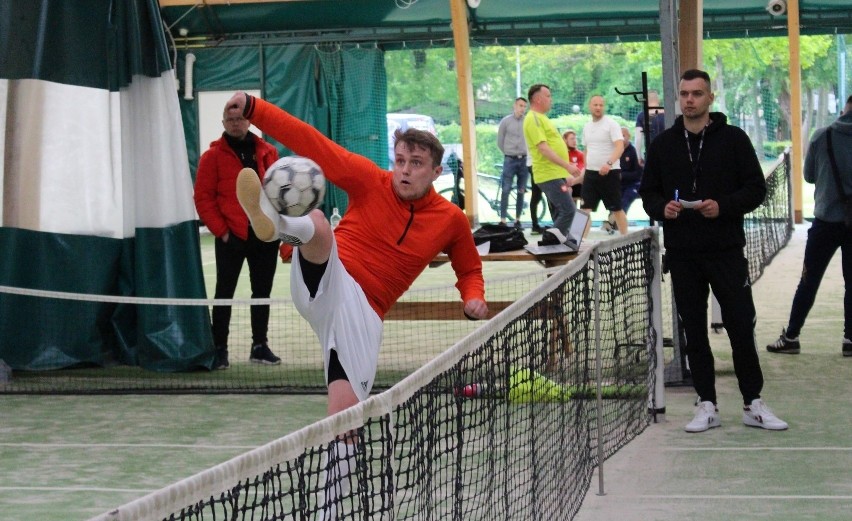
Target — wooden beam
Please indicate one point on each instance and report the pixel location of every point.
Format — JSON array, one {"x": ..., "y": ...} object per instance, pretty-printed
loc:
[
  {"x": 690, "y": 34},
  {"x": 467, "y": 113},
  {"x": 441, "y": 310},
  {"x": 797, "y": 159}
]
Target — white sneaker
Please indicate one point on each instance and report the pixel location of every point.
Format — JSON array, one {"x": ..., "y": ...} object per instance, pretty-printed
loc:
[
  {"x": 706, "y": 417},
  {"x": 261, "y": 213},
  {"x": 758, "y": 415}
]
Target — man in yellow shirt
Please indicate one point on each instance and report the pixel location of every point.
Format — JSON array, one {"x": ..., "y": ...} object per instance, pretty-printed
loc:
[{"x": 554, "y": 172}]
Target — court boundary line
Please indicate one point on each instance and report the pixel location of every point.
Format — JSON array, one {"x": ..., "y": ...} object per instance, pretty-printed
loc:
[{"x": 124, "y": 445}]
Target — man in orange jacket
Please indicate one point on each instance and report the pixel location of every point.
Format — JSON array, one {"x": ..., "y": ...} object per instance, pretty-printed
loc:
[{"x": 344, "y": 281}]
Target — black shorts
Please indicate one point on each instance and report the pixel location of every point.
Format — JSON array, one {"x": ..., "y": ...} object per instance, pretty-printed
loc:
[
  {"x": 606, "y": 188},
  {"x": 335, "y": 370}
]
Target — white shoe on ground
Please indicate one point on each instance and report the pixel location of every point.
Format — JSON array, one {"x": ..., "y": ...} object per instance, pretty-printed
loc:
[
  {"x": 758, "y": 415},
  {"x": 706, "y": 417},
  {"x": 261, "y": 213}
]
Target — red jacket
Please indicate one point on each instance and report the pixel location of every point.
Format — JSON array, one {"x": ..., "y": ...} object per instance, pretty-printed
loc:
[{"x": 216, "y": 186}]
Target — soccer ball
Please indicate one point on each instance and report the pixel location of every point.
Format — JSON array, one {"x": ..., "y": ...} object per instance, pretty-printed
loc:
[{"x": 295, "y": 185}]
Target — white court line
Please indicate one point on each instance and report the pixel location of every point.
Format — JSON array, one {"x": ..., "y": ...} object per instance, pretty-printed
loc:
[
  {"x": 746, "y": 449},
  {"x": 125, "y": 446},
  {"x": 75, "y": 489}
]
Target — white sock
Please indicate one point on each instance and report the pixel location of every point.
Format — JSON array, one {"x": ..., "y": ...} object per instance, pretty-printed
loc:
[
  {"x": 302, "y": 228},
  {"x": 337, "y": 480}
]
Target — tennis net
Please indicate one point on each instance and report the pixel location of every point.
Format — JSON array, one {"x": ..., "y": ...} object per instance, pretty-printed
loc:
[
  {"x": 509, "y": 423},
  {"x": 79, "y": 343}
]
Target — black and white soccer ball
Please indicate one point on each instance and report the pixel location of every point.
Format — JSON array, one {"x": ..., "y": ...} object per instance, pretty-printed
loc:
[{"x": 295, "y": 185}]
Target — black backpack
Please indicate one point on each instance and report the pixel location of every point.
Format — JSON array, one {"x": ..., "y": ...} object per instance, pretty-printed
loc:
[{"x": 502, "y": 238}]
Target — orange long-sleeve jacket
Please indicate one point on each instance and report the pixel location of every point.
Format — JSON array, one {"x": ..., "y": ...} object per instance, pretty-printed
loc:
[{"x": 383, "y": 241}]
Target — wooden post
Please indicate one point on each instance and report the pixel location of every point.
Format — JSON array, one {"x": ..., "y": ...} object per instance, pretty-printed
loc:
[
  {"x": 668, "y": 47},
  {"x": 797, "y": 159},
  {"x": 690, "y": 34},
  {"x": 467, "y": 112}
]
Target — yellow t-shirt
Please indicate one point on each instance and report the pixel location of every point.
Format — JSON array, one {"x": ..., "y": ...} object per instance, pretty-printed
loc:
[{"x": 538, "y": 128}]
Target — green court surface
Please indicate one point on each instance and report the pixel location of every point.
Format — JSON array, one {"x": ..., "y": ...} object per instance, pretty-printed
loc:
[
  {"x": 71, "y": 457},
  {"x": 739, "y": 472}
]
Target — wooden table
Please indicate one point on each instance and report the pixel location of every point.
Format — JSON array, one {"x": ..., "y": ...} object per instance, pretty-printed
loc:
[{"x": 522, "y": 255}]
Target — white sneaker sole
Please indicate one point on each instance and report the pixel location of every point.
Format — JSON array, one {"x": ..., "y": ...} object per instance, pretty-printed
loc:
[
  {"x": 251, "y": 197},
  {"x": 750, "y": 422},
  {"x": 703, "y": 428}
]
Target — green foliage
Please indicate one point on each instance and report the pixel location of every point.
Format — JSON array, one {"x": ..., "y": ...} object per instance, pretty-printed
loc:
[
  {"x": 776, "y": 148},
  {"x": 750, "y": 80}
]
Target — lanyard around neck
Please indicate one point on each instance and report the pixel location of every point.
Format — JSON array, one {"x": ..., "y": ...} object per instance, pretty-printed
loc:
[{"x": 696, "y": 163}]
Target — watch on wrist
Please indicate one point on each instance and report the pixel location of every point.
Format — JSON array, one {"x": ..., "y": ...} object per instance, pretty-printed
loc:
[{"x": 609, "y": 163}]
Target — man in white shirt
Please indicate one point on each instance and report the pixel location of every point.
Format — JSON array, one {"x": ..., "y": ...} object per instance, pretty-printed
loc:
[{"x": 604, "y": 146}]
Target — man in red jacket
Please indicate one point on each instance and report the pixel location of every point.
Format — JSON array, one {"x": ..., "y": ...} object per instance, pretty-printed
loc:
[{"x": 217, "y": 205}]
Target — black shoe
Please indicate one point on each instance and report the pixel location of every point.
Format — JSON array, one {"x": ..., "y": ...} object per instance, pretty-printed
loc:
[
  {"x": 261, "y": 354},
  {"x": 846, "y": 347},
  {"x": 518, "y": 225},
  {"x": 503, "y": 224},
  {"x": 784, "y": 345},
  {"x": 536, "y": 230},
  {"x": 221, "y": 360}
]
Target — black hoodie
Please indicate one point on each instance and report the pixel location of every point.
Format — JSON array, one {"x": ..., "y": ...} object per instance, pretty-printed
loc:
[{"x": 728, "y": 172}]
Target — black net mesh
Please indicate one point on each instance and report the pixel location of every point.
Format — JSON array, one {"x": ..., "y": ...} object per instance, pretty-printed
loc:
[{"x": 507, "y": 424}]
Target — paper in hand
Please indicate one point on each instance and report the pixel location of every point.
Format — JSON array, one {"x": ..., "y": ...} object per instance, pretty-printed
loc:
[{"x": 690, "y": 204}]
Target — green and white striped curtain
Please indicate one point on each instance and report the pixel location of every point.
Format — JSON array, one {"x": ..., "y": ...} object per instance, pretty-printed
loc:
[{"x": 97, "y": 195}]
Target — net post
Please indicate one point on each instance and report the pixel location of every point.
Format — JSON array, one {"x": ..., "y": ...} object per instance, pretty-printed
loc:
[
  {"x": 596, "y": 285},
  {"x": 657, "y": 399}
]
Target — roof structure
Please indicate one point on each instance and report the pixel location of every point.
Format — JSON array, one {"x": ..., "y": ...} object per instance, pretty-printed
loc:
[{"x": 393, "y": 23}]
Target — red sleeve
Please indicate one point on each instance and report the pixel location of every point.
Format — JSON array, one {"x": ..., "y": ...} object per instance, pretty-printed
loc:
[
  {"x": 466, "y": 262},
  {"x": 206, "y": 183},
  {"x": 336, "y": 162}
]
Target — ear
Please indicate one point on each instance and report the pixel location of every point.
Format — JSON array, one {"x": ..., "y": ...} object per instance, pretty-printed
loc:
[{"x": 437, "y": 172}]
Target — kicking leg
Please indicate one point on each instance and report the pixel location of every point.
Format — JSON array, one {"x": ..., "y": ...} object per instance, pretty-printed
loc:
[{"x": 311, "y": 232}]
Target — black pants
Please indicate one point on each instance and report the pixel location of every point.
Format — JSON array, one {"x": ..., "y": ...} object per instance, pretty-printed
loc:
[
  {"x": 262, "y": 260},
  {"x": 727, "y": 274},
  {"x": 536, "y": 197}
]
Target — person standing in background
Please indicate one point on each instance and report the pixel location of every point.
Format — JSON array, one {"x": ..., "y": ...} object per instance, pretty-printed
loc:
[
  {"x": 510, "y": 141},
  {"x": 631, "y": 177},
  {"x": 828, "y": 231},
  {"x": 578, "y": 159},
  {"x": 657, "y": 125},
  {"x": 553, "y": 171},
  {"x": 701, "y": 177},
  {"x": 604, "y": 145},
  {"x": 536, "y": 198},
  {"x": 236, "y": 242}
]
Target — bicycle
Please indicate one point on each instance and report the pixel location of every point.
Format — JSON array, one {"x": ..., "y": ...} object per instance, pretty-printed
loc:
[{"x": 488, "y": 205}]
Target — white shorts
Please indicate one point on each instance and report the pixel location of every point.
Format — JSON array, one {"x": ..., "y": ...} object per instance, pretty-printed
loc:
[{"x": 342, "y": 319}]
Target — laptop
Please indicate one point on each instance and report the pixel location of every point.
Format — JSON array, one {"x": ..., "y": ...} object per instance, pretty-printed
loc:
[{"x": 578, "y": 226}]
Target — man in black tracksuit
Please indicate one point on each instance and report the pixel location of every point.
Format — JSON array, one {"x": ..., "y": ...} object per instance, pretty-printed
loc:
[{"x": 701, "y": 177}]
